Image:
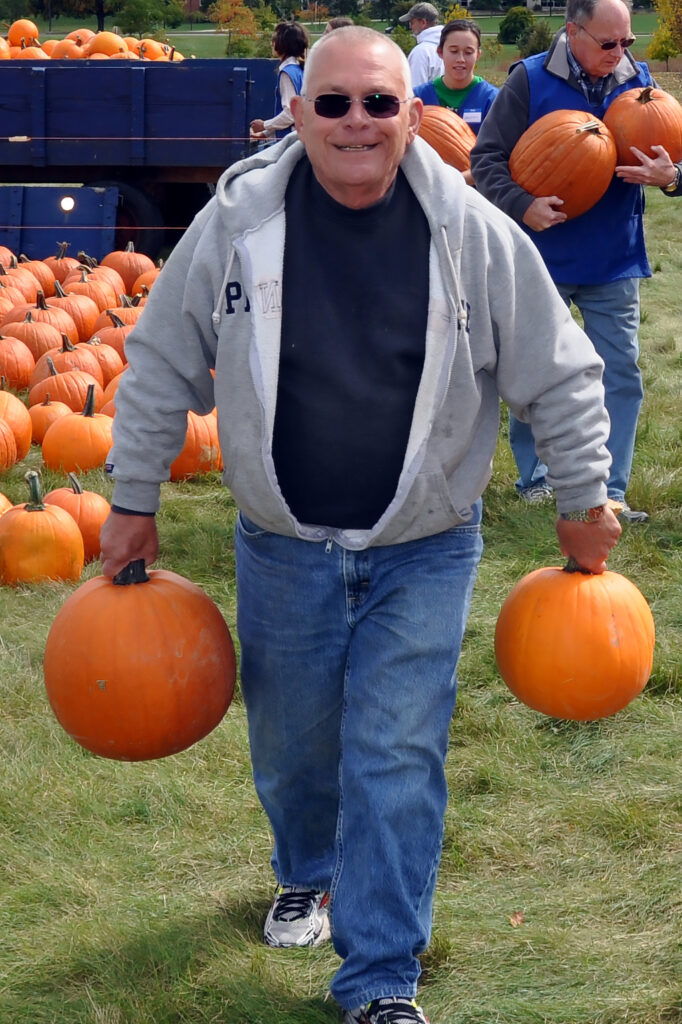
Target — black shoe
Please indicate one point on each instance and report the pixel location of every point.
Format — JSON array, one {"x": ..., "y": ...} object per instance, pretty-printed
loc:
[
  {"x": 627, "y": 514},
  {"x": 387, "y": 1011}
]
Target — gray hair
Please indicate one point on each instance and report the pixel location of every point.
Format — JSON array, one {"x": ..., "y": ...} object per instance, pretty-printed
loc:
[
  {"x": 582, "y": 11},
  {"x": 355, "y": 35}
]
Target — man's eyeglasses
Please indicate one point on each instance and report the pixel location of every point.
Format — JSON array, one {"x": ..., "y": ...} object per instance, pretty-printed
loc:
[
  {"x": 610, "y": 44},
  {"x": 335, "y": 104}
]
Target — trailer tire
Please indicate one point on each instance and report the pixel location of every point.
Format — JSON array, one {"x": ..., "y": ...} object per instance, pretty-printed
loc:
[{"x": 138, "y": 219}]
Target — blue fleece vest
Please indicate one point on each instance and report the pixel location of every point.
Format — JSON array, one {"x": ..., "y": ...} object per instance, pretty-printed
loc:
[
  {"x": 607, "y": 242},
  {"x": 295, "y": 73},
  {"x": 473, "y": 108}
]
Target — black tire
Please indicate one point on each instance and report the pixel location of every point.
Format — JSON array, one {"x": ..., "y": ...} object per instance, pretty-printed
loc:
[{"x": 138, "y": 219}]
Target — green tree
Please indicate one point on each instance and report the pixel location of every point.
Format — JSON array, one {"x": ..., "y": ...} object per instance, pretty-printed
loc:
[
  {"x": 662, "y": 46},
  {"x": 538, "y": 39},
  {"x": 670, "y": 15},
  {"x": 516, "y": 24},
  {"x": 145, "y": 17},
  {"x": 404, "y": 38}
]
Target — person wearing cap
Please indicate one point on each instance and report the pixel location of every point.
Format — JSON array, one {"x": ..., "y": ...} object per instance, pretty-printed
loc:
[
  {"x": 597, "y": 259},
  {"x": 425, "y": 63},
  {"x": 361, "y": 330}
]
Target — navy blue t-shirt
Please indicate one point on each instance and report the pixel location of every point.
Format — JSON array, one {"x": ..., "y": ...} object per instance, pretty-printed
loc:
[{"x": 355, "y": 297}]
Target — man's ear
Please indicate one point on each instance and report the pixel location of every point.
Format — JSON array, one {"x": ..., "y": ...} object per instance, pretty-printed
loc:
[
  {"x": 415, "y": 118},
  {"x": 296, "y": 107}
]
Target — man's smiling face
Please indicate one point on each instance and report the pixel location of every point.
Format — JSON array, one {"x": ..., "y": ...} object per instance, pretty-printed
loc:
[{"x": 355, "y": 157}]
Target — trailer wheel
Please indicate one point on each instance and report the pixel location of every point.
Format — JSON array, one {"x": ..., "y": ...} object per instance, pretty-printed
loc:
[{"x": 138, "y": 219}]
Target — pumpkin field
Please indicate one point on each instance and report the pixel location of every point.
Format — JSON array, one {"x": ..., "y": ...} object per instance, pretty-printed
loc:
[{"x": 135, "y": 892}]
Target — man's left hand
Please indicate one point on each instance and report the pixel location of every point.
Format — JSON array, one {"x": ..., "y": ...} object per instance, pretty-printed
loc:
[
  {"x": 658, "y": 171},
  {"x": 589, "y": 543}
]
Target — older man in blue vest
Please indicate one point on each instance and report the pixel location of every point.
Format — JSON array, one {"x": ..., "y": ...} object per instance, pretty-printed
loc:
[{"x": 597, "y": 259}]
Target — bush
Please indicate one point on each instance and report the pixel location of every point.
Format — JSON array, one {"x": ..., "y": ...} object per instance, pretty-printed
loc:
[
  {"x": 404, "y": 38},
  {"x": 538, "y": 39},
  {"x": 516, "y": 24}
]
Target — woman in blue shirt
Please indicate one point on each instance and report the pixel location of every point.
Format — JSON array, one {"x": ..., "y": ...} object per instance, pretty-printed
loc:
[
  {"x": 458, "y": 87},
  {"x": 289, "y": 43}
]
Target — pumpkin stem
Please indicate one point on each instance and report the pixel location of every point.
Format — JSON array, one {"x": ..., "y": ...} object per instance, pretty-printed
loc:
[
  {"x": 58, "y": 290},
  {"x": 572, "y": 566},
  {"x": 589, "y": 126},
  {"x": 115, "y": 320},
  {"x": 67, "y": 346},
  {"x": 645, "y": 95},
  {"x": 89, "y": 407},
  {"x": 41, "y": 302},
  {"x": 75, "y": 482},
  {"x": 134, "y": 572},
  {"x": 35, "y": 502}
]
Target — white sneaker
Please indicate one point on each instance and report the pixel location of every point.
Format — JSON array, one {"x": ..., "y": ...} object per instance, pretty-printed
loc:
[
  {"x": 297, "y": 917},
  {"x": 387, "y": 1011}
]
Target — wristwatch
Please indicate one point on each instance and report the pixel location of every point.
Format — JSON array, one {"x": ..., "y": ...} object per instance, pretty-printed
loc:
[
  {"x": 584, "y": 515},
  {"x": 675, "y": 183}
]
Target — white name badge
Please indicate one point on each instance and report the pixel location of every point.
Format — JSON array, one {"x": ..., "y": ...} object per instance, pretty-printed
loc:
[{"x": 472, "y": 116}]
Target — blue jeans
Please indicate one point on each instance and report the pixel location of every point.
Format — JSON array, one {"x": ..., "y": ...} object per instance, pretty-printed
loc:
[
  {"x": 348, "y": 665},
  {"x": 611, "y": 316}
]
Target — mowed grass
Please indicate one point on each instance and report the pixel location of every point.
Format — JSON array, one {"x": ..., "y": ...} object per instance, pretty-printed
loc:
[{"x": 135, "y": 893}]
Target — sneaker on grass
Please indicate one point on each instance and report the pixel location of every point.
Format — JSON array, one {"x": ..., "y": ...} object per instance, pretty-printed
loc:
[
  {"x": 387, "y": 1011},
  {"x": 536, "y": 493},
  {"x": 623, "y": 511},
  {"x": 297, "y": 917}
]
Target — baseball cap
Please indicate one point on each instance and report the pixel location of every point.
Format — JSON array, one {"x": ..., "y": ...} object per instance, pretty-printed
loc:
[{"x": 421, "y": 10}]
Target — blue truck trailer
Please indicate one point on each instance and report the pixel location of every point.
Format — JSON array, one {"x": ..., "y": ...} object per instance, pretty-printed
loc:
[{"x": 99, "y": 153}]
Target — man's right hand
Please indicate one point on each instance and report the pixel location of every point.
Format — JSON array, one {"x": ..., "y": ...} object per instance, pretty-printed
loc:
[
  {"x": 543, "y": 213},
  {"x": 125, "y": 539}
]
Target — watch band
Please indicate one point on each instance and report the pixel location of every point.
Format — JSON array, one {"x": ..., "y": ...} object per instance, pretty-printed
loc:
[
  {"x": 675, "y": 183},
  {"x": 584, "y": 515}
]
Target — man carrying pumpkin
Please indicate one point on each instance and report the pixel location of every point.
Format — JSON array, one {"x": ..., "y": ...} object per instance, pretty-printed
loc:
[
  {"x": 358, "y": 403},
  {"x": 597, "y": 259}
]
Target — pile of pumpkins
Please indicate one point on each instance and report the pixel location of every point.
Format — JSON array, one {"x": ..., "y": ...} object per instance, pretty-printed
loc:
[
  {"x": 570, "y": 153},
  {"x": 23, "y": 43},
  {"x": 63, "y": 325}
]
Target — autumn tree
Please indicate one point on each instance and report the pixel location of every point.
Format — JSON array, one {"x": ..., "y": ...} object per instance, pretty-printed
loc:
[
  {"x": 662, "y": 46},
  {"x": 670, "y": 17}
]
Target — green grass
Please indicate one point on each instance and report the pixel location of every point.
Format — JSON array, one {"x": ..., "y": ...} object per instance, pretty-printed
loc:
[{"x": 135, "y": 893}]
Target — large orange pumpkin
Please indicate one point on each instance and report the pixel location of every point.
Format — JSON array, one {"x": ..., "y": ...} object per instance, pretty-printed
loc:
[
  {"x": 645, "y": 118},
  {"x": 165, "y": 682},
  {"x": 79, "y": 440},
  {"x": 201, "y": 450},
  {"x": 39, "y": 542},
  {"x": 566, "y": 153},
  {"x": 575, "y": 645},
  {"x": 450, "y": 136}
]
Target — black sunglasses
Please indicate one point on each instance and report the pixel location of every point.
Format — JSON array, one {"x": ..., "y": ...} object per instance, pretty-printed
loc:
[
  {"x": 335, "y": 104},
  {"x": 611, "y": 44}
]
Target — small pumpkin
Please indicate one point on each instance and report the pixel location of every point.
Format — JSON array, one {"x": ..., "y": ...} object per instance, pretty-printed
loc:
[
  {"x": 79, "y": 440},
  {"x": 39, "y": 542},
  {"x": 81, "y": 308},
  {"x": 129, "y": 264},
  {"x": 67, "y": 357},
  {"x": 644, "y": 118},
  {"x": 43, "y": 414},
  {"x": 60, "y": 264},
  {"x": 38, "y": 336},
  {"x": 449, "y": 135},
  {"x": 45, "y": 312},
  {"x": 166, "y": 682},
  {"x": 88, "y": 508},
  {"x": 574, "y": 645},
  {"x": 566, "y": 153}
]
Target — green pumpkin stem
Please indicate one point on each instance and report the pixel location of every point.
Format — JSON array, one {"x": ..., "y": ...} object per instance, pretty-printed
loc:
[
  {"x": 134, "y": 572},
  {"x": 35, "y": 502}
]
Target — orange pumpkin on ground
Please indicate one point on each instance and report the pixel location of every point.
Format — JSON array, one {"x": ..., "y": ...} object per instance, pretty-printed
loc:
[
  {"x": 574, "y": 645},
  {"x": 201, "y": 451},
  {"x": 566, "y": 153},
  {"x": 39, "y": 542},
  {"x": 70, "y": 387},
  {"x": 79, "y": 441},
  {"x": 645, "y": 118},
  {"x": 165, "y": 683},
  {"x": 449, "y": 135},
  {"x": 15, "y": 413},
  {"x": 43, "y": 414},
  {"x": 16, "y": 363},
  {"x": 129, "y": 263},
  {"x": 8, "y": 446},
  {"x": 88, "y": 508}
]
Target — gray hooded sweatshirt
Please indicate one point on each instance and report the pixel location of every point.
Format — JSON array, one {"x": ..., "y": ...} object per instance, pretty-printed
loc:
[{"x": 496, "y": 327}]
